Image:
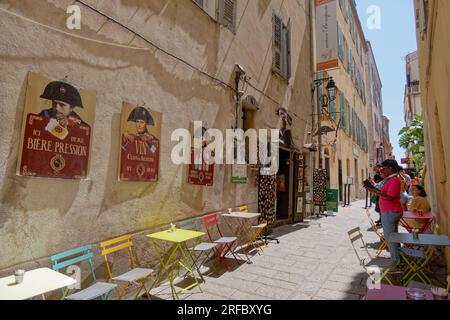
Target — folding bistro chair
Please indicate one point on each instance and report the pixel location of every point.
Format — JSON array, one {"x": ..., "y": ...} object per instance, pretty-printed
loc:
[
  {"x": 256, "y": 232},
  {"x": 377, "y": 268},
  {"x": 75, "y": 256},
  {"x": 202, "y": 251},
  {"x": 383, "y": 242},
  {"x": 135, "y": 276},
  {"x": 416, "y": 261},
  {"x": 224, "y": 244}
]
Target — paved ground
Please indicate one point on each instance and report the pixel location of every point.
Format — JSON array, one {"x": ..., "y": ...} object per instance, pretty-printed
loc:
[{"x": 314, "y": 260}]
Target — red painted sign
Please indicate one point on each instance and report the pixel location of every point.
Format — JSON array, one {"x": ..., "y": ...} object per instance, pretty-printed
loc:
[
  {"x": 51, "y": 150},
  {"x": 139, "y": 159},
  {"x": 140, "y": 144},
  {"x": 200, "y": 174}
]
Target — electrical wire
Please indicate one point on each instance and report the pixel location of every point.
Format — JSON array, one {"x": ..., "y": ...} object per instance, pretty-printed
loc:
[{"x": 154, "y": 45}]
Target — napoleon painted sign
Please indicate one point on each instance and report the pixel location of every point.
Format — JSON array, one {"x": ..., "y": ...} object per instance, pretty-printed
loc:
[
  {"x": 140, "y": 144},
  {"x": 201, "y": 169},
  {"x": 56, "y": 130}
]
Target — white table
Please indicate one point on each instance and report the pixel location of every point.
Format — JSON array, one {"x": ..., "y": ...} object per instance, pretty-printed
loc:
[
  {"x": 35, "y": 282},
  {"x": 244, "y": 230}
]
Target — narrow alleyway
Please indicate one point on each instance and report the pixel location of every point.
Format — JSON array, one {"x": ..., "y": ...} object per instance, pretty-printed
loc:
[{"x": 314, "y": 260}]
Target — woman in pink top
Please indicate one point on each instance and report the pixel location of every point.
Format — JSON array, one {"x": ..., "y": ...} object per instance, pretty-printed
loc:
[{"x": 390, "y": 206}]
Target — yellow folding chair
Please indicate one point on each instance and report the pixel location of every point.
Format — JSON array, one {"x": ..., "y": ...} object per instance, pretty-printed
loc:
[
  {"x": 135, "y": 276},
  {"x": 256, "y": 232},
  {"x": 383, "y": 242},
  {"x": 376, "y": 268}
]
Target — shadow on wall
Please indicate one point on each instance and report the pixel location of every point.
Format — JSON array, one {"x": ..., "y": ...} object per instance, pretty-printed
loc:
[{"x": 117, "y": 192}]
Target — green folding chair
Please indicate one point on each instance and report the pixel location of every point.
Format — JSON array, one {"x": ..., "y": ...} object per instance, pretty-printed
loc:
[{"x": 76, "y": 256}]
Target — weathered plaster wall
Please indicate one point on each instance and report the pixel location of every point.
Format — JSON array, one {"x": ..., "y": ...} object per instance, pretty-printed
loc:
[
  {"x": 434, "y": 79},
  {"x": 40, "y": 217}
]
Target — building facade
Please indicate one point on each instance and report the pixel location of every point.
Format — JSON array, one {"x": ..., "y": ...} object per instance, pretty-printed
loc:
[
  {"x": 433, "y": 38},
  {"x": 178, "y": 58},
  {"x": 412, "y": 100},
  {"x": 374, "y": 99},
  {"x": 387, "y": 145},
  {"x": 347, "y": 160}
]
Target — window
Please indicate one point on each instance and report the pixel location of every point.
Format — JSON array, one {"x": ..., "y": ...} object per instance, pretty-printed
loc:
[
  {"x": 281, "y": 60},
  {"x": 227, "y": 14}
]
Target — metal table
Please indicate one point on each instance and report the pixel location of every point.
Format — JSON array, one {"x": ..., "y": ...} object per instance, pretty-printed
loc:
[
  {"x": 415, "y": 259},
  {"x": 387, "y": 292},
  {"x": 244, "y": 229},
  {"x": 35, "y": 282},
  {"x": 410, "y": 218},
  {"x": 178, "y": 257}
]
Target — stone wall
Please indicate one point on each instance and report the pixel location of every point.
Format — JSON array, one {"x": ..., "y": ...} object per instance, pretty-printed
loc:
[{"x": 40, "y": 217}]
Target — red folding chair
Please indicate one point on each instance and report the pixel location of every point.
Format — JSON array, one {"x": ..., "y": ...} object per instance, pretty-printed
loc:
[{"x": 224, "y": 244}]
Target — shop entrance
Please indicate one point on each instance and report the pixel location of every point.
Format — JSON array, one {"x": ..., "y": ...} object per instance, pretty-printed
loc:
[{"x": 284, "y": 186}]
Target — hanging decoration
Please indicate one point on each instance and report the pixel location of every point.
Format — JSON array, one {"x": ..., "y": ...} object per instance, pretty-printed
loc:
[{"x": 320, "y": 187}]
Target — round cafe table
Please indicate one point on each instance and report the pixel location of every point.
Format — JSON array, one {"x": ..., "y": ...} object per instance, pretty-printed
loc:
[
  {"x": 413, "y": 220},
  {"x": 387, "y": 292}
]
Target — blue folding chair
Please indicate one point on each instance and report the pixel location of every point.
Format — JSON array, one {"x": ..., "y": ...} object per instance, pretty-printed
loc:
[{"x": 75, "y": 256}]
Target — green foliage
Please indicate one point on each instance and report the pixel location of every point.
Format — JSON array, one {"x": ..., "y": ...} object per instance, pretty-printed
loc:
[{"x": 412, "y": 139}]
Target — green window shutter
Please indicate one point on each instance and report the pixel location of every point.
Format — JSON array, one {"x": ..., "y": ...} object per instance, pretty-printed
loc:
[
  {"x": 354, "y": 124},
  {"x": 227, "y": 14},
  {"x": 341, "y": 44},
  {"x": 333, "y": 110},
  {"x": 347, "y": 10},
  {"x": 350, "y": 124},
  {"x": 343, "y": 110}
]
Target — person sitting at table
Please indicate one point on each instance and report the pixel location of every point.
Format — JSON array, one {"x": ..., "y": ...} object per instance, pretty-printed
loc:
[{"x": 419, "y": 202}]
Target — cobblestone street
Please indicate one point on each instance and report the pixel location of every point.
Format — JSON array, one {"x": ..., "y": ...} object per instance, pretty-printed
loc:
[{"x": 314, "y": 260}]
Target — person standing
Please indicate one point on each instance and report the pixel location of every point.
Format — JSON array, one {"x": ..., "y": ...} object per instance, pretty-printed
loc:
[{"x": 390, "y": 206}]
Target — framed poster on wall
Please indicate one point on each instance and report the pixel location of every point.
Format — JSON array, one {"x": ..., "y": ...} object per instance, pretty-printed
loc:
[
  {"x": 56, "y": 129},
  {"x": 201, "y": 168},
  {"x": 140, "y": 135}
]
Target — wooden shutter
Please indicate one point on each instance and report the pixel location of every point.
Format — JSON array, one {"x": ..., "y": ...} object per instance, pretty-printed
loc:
[
  {"x": 277, "y": 44},
  {"x": 288, "y": 51},
  {"x": 343, "y": 110},
  {"x": 227, "y": 14},
  {"x": 341, "y": 44}
]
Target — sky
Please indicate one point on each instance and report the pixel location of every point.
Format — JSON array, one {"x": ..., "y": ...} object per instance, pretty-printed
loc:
[{"x": 391, "y": 43}]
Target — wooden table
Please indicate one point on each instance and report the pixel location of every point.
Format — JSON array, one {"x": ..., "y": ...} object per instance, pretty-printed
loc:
[
  {"x": 244, "y": 229},
  {"x": 387, "y": 292},
  {"x": 35, "y": 282},
  {"x": 412, "y": 220}
]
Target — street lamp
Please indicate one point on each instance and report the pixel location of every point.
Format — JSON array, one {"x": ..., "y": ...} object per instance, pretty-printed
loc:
[{"x": 323, "y": 101}]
